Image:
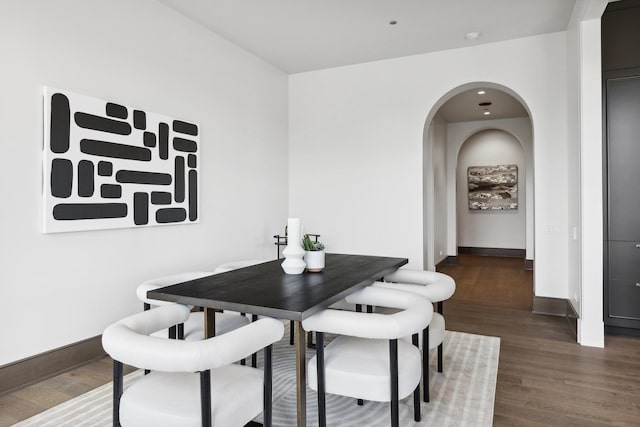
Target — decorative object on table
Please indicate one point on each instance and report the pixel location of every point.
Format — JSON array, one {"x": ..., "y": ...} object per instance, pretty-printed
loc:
[
  {"x": 493, "y": 187},
  {"x": 281, "y": 240},
  {"x": 107, "y": 165},
  {"x": 293, "y": 253},
  {"x": 314, "y": 254}
]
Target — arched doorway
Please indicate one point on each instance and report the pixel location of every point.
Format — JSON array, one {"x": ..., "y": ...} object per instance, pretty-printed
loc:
[{"x": 445, "y": 131}]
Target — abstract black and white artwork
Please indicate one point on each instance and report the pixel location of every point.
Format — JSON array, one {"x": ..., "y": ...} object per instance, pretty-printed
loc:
[
  {"x": 493, "y": 187},
  {"x": 107, "y": 165}
]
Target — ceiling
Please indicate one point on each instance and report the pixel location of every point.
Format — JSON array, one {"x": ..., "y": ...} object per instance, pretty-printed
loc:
[
  {"x": 303, "y": 35},
  {"x": 464, "y": 106}
]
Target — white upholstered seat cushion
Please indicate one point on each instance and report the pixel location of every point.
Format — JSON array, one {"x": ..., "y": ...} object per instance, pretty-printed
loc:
[
  {"x": 430, "y": 284},
  {"x": 359, "y": 368},
  {"x": 173, "y": 399}
]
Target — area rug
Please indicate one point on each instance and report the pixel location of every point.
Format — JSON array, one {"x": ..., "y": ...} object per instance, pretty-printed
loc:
[{"x": 462, "y": 395}]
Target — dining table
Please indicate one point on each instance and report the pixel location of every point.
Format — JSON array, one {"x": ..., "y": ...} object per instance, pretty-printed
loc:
[{"x": 266, "y": 290}]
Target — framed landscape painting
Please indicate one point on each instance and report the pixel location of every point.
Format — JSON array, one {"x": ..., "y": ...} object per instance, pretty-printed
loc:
[{"x": 493, "y": 187}]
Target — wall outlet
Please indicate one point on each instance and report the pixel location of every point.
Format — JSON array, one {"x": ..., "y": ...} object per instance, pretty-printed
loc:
[{"x": 441, "y": 253}]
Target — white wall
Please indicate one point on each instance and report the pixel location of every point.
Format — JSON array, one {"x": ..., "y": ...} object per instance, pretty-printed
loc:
[
  {"x": 490, "y": 229},
  {"x": 356, "y": 136},
  {"x": 457, "y": 134},
  {"x": 62, "y": 288},
  {"x": 585, "y": 168},
  {"x": 435, "y": 193}
]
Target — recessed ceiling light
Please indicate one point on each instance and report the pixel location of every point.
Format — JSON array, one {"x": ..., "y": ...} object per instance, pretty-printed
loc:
[
  {"x": 486, "y": 112},
  {"x": 473, "y": 35},
  {"x": 393, "y": 22},
  {"x": 481, "y": 92}
]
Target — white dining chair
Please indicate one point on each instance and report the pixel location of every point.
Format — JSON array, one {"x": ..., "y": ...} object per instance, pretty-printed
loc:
[
  {"x": 234, "y": 265},
  {"x": 363, "y": 361},
  {"x": 192, "y": 383},
  {"x": 436, "y": 287},
  {"x": 193, "y": 328}
]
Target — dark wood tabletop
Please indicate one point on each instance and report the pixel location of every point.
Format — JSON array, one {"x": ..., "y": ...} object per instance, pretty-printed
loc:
[{"x": 265, "y": 289}]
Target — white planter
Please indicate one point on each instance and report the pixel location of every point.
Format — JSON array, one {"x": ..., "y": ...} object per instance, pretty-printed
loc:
[
  {"x": 293, "y": 253},
  {"x": 314, "y": 261}
]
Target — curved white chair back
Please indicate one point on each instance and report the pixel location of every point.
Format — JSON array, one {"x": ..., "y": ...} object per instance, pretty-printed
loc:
[
  {"x": 413, "y": 315},
  {"x": 437, "y": 286},
  {"x": 158, "y": 282},
  {"x": 129, "y": 342}
]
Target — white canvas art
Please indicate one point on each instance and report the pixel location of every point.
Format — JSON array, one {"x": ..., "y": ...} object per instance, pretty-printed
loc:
[{"x": 107, "y": 165}]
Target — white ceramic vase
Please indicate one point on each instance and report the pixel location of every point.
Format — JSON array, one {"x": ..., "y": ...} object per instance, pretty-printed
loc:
[
  {"x": 293, "y": 252},
  {"x": 314, "y": 261}
]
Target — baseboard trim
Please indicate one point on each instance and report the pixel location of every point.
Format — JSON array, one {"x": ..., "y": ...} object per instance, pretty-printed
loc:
[
  {"x": 49, "y": 364},
  {"x": 621, "y": 331},
  {"x": 528, "y": 264},
  {"x": 512, "y": 253},
  {"x": 450, "y": 260},
  {"x": 557, "y": 307}
]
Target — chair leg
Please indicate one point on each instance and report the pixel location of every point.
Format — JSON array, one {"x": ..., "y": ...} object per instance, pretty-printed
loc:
[
  {"x": 425, "y": 364},
  {"x": 205, "y": 397},
  {"x": 291, "y": 328},
  {"x": 416, "y": 392},
  {"x": 268, "y": 387},
  {"x": 254, "y": 356},
  {"x": 180, "y": 331},
  {"x": 393, "y": 366},
  {"x": 441, "y": 311},
  {"x": 117, "y": 391},
  {"x": 322, "y": 410}
]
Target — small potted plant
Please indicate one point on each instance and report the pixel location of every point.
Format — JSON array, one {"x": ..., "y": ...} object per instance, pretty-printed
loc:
[{"x": 314, "y": 254}]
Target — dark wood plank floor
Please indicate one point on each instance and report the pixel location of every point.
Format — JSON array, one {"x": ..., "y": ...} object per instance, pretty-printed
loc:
[{"x": 544, "y": 377}]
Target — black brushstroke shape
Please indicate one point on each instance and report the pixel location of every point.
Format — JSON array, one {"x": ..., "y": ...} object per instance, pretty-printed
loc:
[
  {"x": 139, "y": 119},
  {"x": 111, "y": 191},
  {"x": 140, "y": 177},
  {"x": 75, "y": 211},
  {"x": 163, "y": 140},
  {"x": 85, "y": 178},
  {"x": 179, "y": 181},
  {"x": 105, "y": 168},
  {"x": 116, "y": 110},
  {"x": 140, "y": 208},
  {"x": 61, "y": 178},
  {"x": 149, "y": 139},
  {"x": 167, "y": 215},
  {"x": 103, "y": 124},
  {"x": 185, "y": 127},
  {"x": 160, "y": 198},
  {"x": 193, "y": 195},
  {"x": 117, "y": 151},
  {"x": 185, "y": 145},
  {"x": 60, "y": 122}
]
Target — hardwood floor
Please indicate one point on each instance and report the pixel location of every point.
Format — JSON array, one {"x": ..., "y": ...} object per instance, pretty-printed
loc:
[
  {"x": 544, "y": 377},
  {"x": 496, "y": 281}
]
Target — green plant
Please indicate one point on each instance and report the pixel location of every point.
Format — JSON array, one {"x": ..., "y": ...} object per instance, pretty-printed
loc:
[{"x": 309, "y": 245}]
